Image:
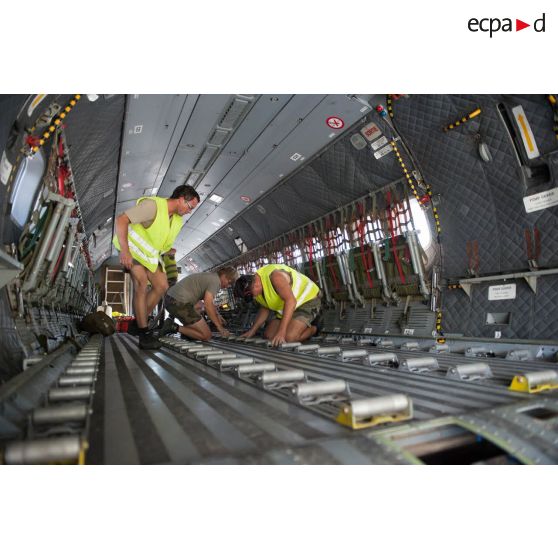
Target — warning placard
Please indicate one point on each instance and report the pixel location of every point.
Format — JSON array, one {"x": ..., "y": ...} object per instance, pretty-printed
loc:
[
  {"x": 379, "y": 143},
  {"x": 371, "y": 131},
  {"x": 5, "y": 169},
  {"x": 542, "y": 200},
  {"x": 526, "y": 133},
  {"x": 384, "y": 151},
  {"x": 502, "y": 292}
]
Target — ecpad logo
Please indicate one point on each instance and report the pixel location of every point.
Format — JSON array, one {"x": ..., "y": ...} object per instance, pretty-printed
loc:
[{"x": 493, "y": 25}]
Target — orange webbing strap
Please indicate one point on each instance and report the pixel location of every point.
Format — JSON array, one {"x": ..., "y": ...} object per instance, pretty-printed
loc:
[{"x": 394, "y": 239}]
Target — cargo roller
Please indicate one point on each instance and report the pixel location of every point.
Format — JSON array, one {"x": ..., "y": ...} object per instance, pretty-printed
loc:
[
  {"x": 534, "y": 382},
  {"x": 314, "y": 393},
  {"x": 365, "y": 413}
]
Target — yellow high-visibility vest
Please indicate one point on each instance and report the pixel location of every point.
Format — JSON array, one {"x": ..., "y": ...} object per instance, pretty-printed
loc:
[
  {"x": 304, "y": 289},
  {"x": 146, "y": 245}
]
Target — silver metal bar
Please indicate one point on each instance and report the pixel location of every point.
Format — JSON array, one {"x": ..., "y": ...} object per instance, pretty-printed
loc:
[
  {"x": 475, "y": 371},
  {"x": 381, "y": 272},
  {"x": 543, "y": 377},
  {"x": 69, "y": 394},
  {"x": 422, "y": 364},
  {"x": 34, "y": 452},
  {"x": 519, "y": 275},
  {"x": 69, "y": 249},
  {"x": 77, "y": 380},
  {"x": 282, "y": 376},
  {"x": 328, "y": 350},
  {"x": 382, "y": 359},
  {"x": 247, "y": 369},
  {"x": 310, "y": 348},
  {"x": 70, "y": 412},
  {"x": 31, "y": 281},
  {"x": 412, "y": 242},
  {"x": 377, "y": 406},
  {"x": 229, "y": 363},
  {"x": 56, "y": 246},
  {"x": 315, "y": 389},
  {"x": 352, "y": 354}
]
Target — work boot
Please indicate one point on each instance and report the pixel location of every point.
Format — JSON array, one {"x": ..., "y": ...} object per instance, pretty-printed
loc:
[
  {"x": 168, "y": 327},
  {"x": 147, "y": 341},
  {"x": 318, "y": 321},
  {"x": 133, "y": 328}
]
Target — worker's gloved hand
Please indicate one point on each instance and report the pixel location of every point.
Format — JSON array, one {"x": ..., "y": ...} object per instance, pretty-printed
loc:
[
  {"x": 279, "y": 339},
  {"x": 225, "y": 332},
  {"x": 126, "y": 260}
]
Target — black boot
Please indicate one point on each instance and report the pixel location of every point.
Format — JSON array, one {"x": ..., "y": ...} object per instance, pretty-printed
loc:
[
  {"x": 168, "y": 328},
  {"x": 147, "y": 341}
]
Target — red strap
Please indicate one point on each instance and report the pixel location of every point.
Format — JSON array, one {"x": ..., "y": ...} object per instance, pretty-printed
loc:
[
  {"x": 329, "y": 232},
  {"x": 310, "y": 242},
  {"x": 363, "y": 258},
  {"x": 394, "y": 240}
]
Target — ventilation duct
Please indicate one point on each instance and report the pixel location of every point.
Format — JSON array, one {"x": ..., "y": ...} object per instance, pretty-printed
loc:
[
  {"x": 218, "y": 138},
  {"x": 233, "y": 113},
  {"x": 205, "y": 158}
]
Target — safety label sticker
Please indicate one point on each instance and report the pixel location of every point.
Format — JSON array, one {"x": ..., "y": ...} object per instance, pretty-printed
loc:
[
  {"x": 502, "y": 292},
  {"x": 371, "y": 131},
  {"x": 379, "y": 143},
  {"x": 384, "y": 151},
  {"x": 335, "y": 122},
  {"x": 5, "y": 169},
  {"x": 526, "y": 132},
  {"x": 542, "y": 200},
  {"x": 34, "y": 103}
]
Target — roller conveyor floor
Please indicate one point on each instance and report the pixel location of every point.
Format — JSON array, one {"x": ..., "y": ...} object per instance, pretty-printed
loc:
[
  {"x": 432, "y": 396},
  {"x": 162, "y": 406}
]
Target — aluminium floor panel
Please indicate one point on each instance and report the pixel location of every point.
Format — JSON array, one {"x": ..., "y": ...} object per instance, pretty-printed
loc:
[{"x": 161, "y": 407}]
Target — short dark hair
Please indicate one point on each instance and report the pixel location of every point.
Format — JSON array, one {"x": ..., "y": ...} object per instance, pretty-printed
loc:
[
  {"x": 229, "y": 272},
  {"x": 186, "y": 192}
]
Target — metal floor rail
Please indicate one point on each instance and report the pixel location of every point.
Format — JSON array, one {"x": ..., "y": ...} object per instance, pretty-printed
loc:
[
  {"x": 164, "y": 406},
  {"x": 432, "y": 396}
]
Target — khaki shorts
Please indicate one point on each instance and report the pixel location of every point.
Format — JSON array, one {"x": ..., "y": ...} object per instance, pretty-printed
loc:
[
  {"x": 308, "y": 311},
  {"x": 184, "y": 311}
]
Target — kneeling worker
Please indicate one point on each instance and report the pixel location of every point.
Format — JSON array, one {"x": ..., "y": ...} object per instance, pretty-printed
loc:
[
  {"x": 295, "y": 299},
  {"x": 181, "y": 299}
]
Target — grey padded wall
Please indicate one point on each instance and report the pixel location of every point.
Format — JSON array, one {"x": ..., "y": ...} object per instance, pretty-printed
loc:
[
  {"x": 93, "y": 131},
  {"x": 480, "y": 201},
  {"x": 484, "y": 202},
  {"x": 10, "y": 106}
]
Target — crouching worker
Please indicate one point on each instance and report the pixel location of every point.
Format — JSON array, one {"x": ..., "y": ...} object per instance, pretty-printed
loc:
[
  {"x": 295, "y": 299},
  {"x": 182, "y": 298}
]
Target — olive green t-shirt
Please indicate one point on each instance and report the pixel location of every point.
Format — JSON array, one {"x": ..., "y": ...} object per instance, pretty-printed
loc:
[{"x": 193, "y": 288}]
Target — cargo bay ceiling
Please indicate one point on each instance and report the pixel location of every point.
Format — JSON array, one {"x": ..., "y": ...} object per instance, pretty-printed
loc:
[{"x": 231, "y": 148}]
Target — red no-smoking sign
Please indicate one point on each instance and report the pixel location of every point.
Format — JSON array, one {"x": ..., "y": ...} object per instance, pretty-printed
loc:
[{"x": 335, "y": 122}]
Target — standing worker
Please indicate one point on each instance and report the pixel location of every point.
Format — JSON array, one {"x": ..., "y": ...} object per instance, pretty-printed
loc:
[
  {"x": 295, "y": 299},
  {"x": 143, "y": 233},
  {"x": 181, "y": 300}
]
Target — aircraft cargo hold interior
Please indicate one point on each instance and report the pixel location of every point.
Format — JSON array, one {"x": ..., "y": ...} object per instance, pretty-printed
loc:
[{"x": 409, "y": 242}]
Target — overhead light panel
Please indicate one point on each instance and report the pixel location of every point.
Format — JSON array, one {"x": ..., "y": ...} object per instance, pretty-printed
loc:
[{"x": 215, "y": 198}]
